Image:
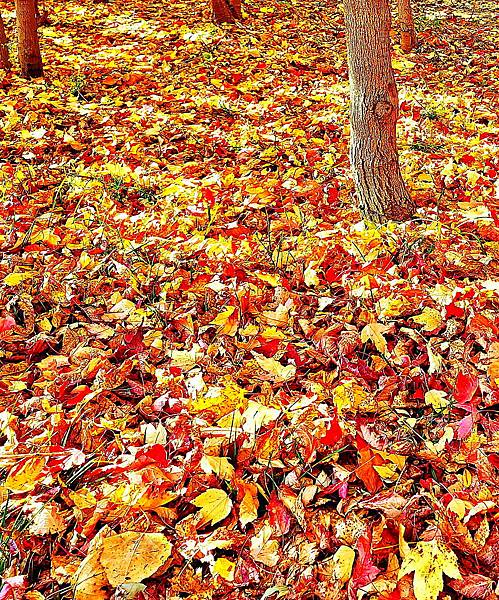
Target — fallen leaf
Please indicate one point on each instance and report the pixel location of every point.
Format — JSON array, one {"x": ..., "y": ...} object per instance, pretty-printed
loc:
[
  {"x": 215, "y": 505},
  {"x": 429, "y": 561},
  {"x": 133, "y": 556}
]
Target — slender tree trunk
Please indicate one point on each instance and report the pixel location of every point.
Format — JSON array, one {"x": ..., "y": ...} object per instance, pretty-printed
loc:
[
  {"x": 374, "y": 113},
  {"x": 226, "y": 11},
  {"x": 4, "y": 49},
  {"x": 30, "y": 57},
  {"x": 408, "y": 39}
]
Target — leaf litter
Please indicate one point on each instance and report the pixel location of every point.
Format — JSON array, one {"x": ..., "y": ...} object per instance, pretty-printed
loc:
[{"x": 216, "y": 380}]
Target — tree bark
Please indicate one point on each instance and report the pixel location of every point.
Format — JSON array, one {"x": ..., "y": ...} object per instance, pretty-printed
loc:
[
  {"x": 408, "y": 39},
  {"x": 30, "y": 57},
  {"x": 374, "y": 112},
  {"x": 4, "y": 49},
  {"x": 226, "y": 11}
]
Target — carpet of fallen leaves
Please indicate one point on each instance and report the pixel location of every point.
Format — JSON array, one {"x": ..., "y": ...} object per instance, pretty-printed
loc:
[{"x": 216, "y": 380}]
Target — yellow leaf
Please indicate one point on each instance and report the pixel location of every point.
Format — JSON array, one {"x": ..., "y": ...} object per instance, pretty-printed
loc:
[
  {"x": 90, "y": 581},
  {"x": 227, "y": 321},
  {"x": 263, "y": 549},
  {"x": 429, "y": 561},
  {"x": 349, "y": 395},
  {"x": 343, "y": 560},
  {"x": 278, "y": 372},
  {"x": 219, "y": 465},
  {"x": 458, "y": 507},
  {"x": 24, "y": 476},
  {"x": 273, "y": 280},
  {"x": 47, "y": 236},
  {"x": 225, "y": 568},
  {"x": 220, "y": 400},
  {"x": 388, "y": 471},
  {"x": 215, "y": 505},
  {"x": 467, "y": 478},
  {"x": 248, "y": 509},
  {"x": 402, "y": 64},
  {"x": 16, "y": 278},
  {"x": 374, "y": 332},
  {"x": 310, "y": 277},
  {"x": 430, "y": 318},
  {"x": 133, "y": 556},
  {"x": 437, "y": 399}
]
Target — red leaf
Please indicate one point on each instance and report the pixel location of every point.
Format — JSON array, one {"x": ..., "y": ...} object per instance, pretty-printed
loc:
[
  {"x": 467, "y": 159},
  {"x": 7, "y": 323},
  {"x": 279, "y": 515},
  {"x": 452, "y": 310},
  {"x": 494, "y": 460},
  {"x": 465, "y": 388},
  {"x": 473, "y": 586},
  {"x": 333, "y": 434},
  {"x": 364, "y": 570},
  {"x": 465, "y": 427},
  {"x": 76, "y": 395}
]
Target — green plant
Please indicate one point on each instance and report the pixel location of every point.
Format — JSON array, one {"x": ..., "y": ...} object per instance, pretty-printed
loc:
[{"x": 77, "y": 84}]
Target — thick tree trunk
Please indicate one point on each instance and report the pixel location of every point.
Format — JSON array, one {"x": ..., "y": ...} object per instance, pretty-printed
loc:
[
  {"x": 30, "y": 57},
  {"x": 408, "y": 39},
  {"x": 374, "y": 113},
  {"x": 226, "y": 11},
  {"x": 4, "y": 49}
]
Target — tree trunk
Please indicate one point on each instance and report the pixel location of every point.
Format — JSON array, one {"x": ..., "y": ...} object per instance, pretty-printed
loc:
[
  {"x": 226, "y": 11},
  {"x": 4, "y": 49},
  {"x": 408, "y": 40},
  {"x": 374, "y": 113},
  {"x": 28, "y": 45}
]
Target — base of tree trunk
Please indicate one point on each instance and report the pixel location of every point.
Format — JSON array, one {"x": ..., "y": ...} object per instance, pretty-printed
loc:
[
  {"x": 4, "y": 50},
  {"x": 408, "y": 41},
  {"x": 382, "y": 195},
  {"x": 226, "y": 11},
  {"x": 32, "y": 71}
]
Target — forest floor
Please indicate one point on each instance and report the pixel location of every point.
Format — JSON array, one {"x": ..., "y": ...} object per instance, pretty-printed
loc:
[{"x": 216, "y": 380}]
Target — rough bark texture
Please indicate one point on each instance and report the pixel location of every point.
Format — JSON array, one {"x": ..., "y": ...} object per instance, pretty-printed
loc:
[
  {"x": 226, "y": 11},
  {"x": 4, "y": 50},
  {"x": 408, "y": 39},
  {"x": 30, "y": 57},
  {"x": 374, "y": 112}
]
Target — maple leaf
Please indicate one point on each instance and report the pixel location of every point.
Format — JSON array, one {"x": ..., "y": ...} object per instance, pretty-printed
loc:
[
  {"x": 374, "y": 332},
  {"x": 437, "y": 399},
  {"x": 24, "y": 476},
  {"x": 215, "y": 505},
  {"x": 263, "y": 549},
  {"x": 429, "y": 561},
  {"x": 430, "y": 318},
  {"x": 225, "y": 568},
  {"x": 276, "y": 371}
]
